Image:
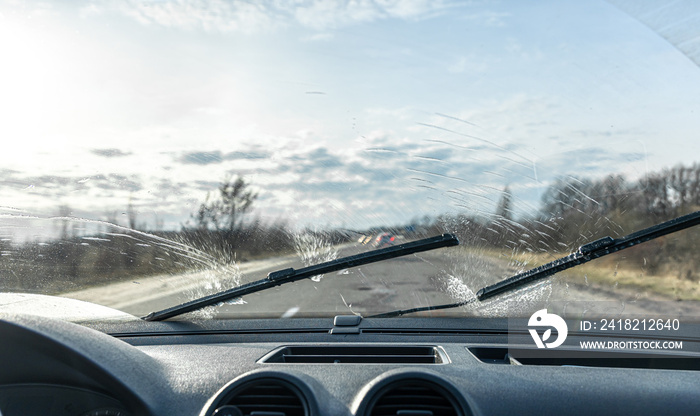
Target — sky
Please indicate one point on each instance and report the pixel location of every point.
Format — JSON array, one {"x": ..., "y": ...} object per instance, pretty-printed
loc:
[{"x": 350, "y": 113}]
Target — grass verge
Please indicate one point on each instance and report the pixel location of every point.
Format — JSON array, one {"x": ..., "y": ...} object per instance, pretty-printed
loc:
[{"x": 613, "y": 271}]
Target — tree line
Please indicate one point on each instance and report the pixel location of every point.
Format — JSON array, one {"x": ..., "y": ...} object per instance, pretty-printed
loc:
[
  {"x": 574, "y": 211},
  {"x": 222, "y": 230}
]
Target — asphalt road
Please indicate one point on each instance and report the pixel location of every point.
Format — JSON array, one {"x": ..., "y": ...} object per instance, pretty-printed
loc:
[
  {"x": 431, "y": 278},
  {"x": 416, "y": 280}
]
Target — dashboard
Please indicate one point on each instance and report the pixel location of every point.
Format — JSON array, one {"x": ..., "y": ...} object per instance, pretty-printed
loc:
[{"x": 402, "y": 366}]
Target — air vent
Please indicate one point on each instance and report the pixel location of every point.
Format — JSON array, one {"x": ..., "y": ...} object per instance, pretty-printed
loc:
[
  {"x": 267, "y": 396},
  {"x": 357, "y": 354},
  {"x": 414, "y": 397},
  {"x": 493, "y": 355}
]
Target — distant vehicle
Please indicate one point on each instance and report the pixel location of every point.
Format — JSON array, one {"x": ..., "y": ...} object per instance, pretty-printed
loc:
[{"x": 384, "y": 240}]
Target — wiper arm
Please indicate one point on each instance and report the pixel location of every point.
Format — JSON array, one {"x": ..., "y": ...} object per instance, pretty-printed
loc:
[
  {"x": 584, "y": 254},
  {"x": 281, "y": 277},
  {"x": 588, "y": 252}
]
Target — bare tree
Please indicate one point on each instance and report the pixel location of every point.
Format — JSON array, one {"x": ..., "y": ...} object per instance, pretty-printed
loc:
[
  {"x": 111, "y": 217},
  {"x": 505, "y": 205},
  {"x": 225, "y": 212},
  {"x": 158, "y": 222},
  {"x": 64, "y": 212},
  {"x": 131, "y": 214}
]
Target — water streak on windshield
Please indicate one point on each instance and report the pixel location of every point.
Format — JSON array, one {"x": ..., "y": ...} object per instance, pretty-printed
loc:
[{"x": 314, "y": 248}]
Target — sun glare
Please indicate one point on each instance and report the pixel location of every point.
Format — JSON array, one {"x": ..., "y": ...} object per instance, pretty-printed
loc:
[{"x": 34, "y": 80}]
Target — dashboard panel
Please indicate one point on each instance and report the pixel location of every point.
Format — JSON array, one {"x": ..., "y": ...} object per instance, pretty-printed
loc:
[
  {"x": 224, "y": 367},
  {"x": 46, "y": 399}
]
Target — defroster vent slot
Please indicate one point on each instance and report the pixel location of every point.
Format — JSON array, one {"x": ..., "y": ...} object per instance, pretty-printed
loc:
[{"x": 357, "y": 354}]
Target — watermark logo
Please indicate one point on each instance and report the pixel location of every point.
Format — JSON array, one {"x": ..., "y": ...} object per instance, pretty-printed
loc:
[{"x": 543, "y": 319}]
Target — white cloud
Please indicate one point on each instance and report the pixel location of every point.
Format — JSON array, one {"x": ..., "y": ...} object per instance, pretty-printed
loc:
[
  {"x": 318, "y": 37},
  {"x": 516, "y": 48},
  {"x": 321, "y": 15},
  {"x": 467, "y": 64},
  {"x": 249, "y": 17},
  {"x": 488, "y": 18},
  {"x": 211, "y": 16}
]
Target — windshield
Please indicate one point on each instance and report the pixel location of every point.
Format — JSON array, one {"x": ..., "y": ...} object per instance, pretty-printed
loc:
[{"x": 156, "y": 152}]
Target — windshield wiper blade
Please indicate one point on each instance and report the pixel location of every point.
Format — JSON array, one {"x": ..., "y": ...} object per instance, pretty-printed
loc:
[
  {"x": 401, "y": 312},
  {"x": 584, "y": 254},
  {"x": 588, "y": 252},
  {"x": 289, "y": 275}
]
